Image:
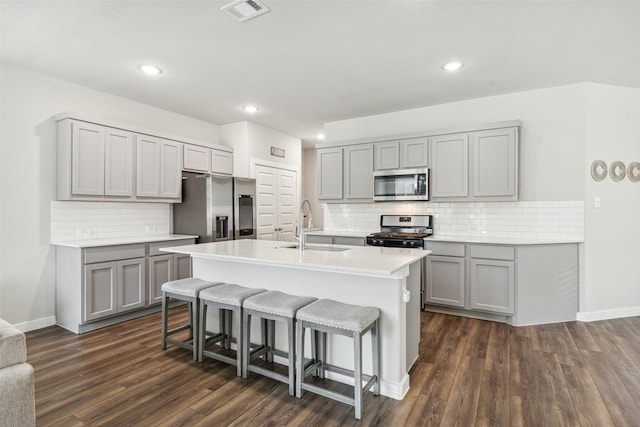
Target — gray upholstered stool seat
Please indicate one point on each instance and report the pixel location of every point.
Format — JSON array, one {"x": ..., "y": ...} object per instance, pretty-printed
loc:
[
  {"x": 327, "y": 316},
  {"x": 272, "y": 305},
  {"x": 184, "y": 290},
  {"x": 227, "y": 297}
]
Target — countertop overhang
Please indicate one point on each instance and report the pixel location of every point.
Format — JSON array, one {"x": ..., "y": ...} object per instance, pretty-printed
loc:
[{"x": 358, "y": 260}]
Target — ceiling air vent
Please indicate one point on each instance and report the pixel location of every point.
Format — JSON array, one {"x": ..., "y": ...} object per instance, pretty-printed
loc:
[{"x": 243, "y": 10}]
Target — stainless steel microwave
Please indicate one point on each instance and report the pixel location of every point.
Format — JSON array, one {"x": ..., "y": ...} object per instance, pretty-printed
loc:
[{"x": 401, "y": 184}]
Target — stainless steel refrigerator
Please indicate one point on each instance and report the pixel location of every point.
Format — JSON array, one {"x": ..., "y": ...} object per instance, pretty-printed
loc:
[{"x": 216, "y": 208}]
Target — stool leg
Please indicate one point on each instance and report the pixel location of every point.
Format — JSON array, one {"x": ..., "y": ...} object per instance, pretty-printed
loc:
[
  {"x": 299, "y": 358},
  {"x": 194, "y": 307},
  {"x": 271, "y": 336},
  {"x": 164, "y": 321},
  {"x": 357, "y": 373},
  {"x": 375, "y": 350},
  {"x": 314, "y": 349},
  {"x": 202, "y": 333},
  {"x": 229, "y": 324},
  {"x": 239, "y": 326},
  {"x": 246, "y": 343},
  {"x": 292, "y": 356},
  {"x": 322, "y": 343},
  {"x": 190, "y": 306}
]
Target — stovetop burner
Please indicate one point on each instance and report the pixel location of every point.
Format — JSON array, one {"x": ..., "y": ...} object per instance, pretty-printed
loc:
[
  {"x": 399, "y": 235},
  {"x": 404, "y": 231}
]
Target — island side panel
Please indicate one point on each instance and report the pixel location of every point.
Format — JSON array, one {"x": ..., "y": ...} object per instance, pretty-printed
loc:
[{"x": 382, "y": 292}]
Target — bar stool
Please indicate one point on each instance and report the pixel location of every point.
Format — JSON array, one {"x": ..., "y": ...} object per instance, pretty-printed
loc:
[
  {"x": 224, "y": 297},
  {"x": 183, "y": 290},
  {"x": 271, "y": 305},
  {"x": 327, "y": 316}
]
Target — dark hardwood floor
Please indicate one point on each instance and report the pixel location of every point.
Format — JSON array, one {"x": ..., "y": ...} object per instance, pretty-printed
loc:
[{"x": 470, "y": 372}]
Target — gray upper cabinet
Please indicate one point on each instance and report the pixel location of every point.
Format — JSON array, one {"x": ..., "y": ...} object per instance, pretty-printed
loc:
[
  {"x": 450, "y": 166},
  {"x": 345, "y": 173},
  {"x": 118, "y": 171},
  {"x": 494, "y": 162},
  {"x": 387, "y": 155},
  {"x": 196, "y": 158},
  {"x": 170, "y": 169},
  {"x": 107, "y": 162},
  {"x": 475, "y": 166},
  {"x": 148, "y": 166},
  {"x": 94, "y": 161},
  {"x": 414, "y": 153},
  {"x": 330, "y": 174},
  {"x": 221, "y": 162},
  {"x": 407, "y": 153},
  {"x": 159, "y": 166},
  {"x": 358, "y": 172},
  {"x": 87, "y": 167}
]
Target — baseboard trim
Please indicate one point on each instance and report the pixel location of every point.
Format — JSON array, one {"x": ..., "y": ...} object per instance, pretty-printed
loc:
[
  {"x": 32, "y": 325},
  {"x": 592, "y": 316}
]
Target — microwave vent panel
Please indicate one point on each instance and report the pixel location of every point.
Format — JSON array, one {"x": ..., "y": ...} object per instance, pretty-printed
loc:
[{"x": 243, "y": 10}]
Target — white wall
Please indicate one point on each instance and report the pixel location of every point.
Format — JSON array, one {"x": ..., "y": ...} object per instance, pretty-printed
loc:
[
  {"x": 28, "y": 178},
  {"x": 310, "y": 186},
  {"x": 551, "y": 141},
  {"x": 612, "y": 244},
  {"x": 254, "y": 141}
]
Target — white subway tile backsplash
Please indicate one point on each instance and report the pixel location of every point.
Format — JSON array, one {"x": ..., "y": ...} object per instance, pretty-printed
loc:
[
  {"x": 530, "y": 219},
  {"x": 98, "y": 220}
]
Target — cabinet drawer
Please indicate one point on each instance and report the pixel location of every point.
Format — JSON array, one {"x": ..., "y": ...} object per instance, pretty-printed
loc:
[
  {"x": 319, "y": 239},
  {"x": 349, "y": 241},
  {"x": 506, "y": 253},
  {"x": 113, "y": 253},
  {"x": 154, "y": 248},
  {"x": 446, "y": 249}
]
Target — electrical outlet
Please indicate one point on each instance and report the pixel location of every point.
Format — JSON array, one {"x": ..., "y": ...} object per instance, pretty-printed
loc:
[
  {"x": 150, "y": 229},
  {"x": 83, "y": 232},
  {"x": 596, "y": 202}
]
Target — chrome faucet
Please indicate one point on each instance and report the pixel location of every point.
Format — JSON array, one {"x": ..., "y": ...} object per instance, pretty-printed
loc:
[{"x": 300, "y": 234}]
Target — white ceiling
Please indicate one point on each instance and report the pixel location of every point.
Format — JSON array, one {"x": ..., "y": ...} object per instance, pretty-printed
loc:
[{"x": 309, "y": 62}]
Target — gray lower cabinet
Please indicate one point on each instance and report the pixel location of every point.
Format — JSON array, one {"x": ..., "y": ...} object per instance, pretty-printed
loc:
[
  {"x": 163, "y": 268},
  {"x": 445, "y": 281},
  {"x": 518, "y": 284},
  {"x": 492, "y": 285},
  {"x": 114, "y": 287},
  {"x": 97, "y": 286},
  {"x": 473, "y": 277}
]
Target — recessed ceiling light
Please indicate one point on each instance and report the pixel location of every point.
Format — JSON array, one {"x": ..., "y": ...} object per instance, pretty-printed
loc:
[
  {"x": 150, "y": 70},
  {"x": 321, "y": 136},
  {"x": 453, "y": 66},
  {"x": 250, "y": 108}
]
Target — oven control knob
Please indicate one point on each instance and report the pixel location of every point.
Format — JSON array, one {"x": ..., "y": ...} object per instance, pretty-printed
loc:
[
  {"x": 412, "y": 244},
  {"x": 379, "y": 242},
  {"x": 405, "y": 243}
]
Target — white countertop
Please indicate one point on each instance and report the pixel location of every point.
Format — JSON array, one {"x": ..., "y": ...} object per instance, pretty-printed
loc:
[
  {"x": 361, "y": 260},
  {"x": 461, "y": 239},
  {"x": 502, "y": 240},
  {"x": 92, "y": 243}
]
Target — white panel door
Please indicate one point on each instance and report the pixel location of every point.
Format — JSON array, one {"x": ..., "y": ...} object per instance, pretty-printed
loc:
[
  {"x": 276, "y": 203},
  {"x": 266, "y": 216},
  {"x": 287, "y": 209}
]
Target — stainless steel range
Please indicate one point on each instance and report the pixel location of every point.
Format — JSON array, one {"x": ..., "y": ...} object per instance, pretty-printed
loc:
[{"x": 402, "y": 231}]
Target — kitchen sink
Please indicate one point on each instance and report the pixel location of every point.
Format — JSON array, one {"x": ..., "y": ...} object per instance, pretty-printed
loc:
[{"x": 318, "y": 248}]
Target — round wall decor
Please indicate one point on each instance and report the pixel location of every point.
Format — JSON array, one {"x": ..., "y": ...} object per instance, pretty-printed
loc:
[
  {"x": 598, "y": 170},
  {"x": 633, "y": 171},
  {"x": 617, "y": 170}
]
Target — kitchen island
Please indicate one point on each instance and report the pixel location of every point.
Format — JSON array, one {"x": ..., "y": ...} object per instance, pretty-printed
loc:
[{"x": 387, "y": 278}]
